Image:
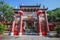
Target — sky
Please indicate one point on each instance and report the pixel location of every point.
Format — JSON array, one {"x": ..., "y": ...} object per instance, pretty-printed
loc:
[{"x": 50, "y": 4}]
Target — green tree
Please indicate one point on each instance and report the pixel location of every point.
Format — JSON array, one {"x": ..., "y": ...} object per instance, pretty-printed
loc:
[
  {"x": 54, "y": 15},
  {"x": 7, "y": 12},
  {"x": 57, "y": 12},
  {"x": 57, "y": 28},
  {"x": 51, "y": 16},
  {"x": 2, "y": 28}
]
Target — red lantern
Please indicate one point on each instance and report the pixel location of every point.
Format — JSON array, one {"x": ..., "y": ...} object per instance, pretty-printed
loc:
[
  {"x": 15, "y": 32},
  {"x": 39, "y": 12},
  {"x": 43, "y": 33},
  {"x": 20, "y": 12}
]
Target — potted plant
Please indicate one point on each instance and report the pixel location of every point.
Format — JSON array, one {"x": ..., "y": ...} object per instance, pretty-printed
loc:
[
  {"x": 2, "y": 29},
  {"x": 58, "y": 30}
]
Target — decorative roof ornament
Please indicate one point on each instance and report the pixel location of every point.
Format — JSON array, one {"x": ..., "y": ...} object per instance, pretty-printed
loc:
[
  {"x": 38, "y": 4},
  {"x": 16, "y": 7}
]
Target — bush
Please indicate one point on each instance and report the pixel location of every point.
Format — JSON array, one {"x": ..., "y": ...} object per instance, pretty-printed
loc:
[
  {"x": 2, "y": 28},
  {"x": 57, "y": 29}
]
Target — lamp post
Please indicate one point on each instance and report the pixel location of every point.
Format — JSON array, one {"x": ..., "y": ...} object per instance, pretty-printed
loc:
[{"x": 21, "y": 22}]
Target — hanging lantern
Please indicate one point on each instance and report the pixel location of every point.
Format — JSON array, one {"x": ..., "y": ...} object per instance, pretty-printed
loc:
[
  {"x": 39, "y": 12},
  {"x": 20, "y": 12}
]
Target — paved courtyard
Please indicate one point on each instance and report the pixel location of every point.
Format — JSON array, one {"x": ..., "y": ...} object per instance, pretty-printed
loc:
[{"x": 29, "y": 37}]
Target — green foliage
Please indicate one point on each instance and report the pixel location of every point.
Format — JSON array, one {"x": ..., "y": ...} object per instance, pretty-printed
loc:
[
  {"x": 7, "y": 12},
  {"x": 51, "y": 15},
  {"x": 2, "y": 28},
  {"x": 54, "y": 15},
  {"x": 57, "y": 29}
]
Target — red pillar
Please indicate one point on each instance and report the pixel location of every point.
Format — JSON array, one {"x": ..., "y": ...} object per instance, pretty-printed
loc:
[
  {"x": 37, "y": 27},
  {"x": 40, "y": 30},
  {"x": 21, "y": 22},
  {"x": 13, "y": 24},
  {"x": 46, "y": 21}
]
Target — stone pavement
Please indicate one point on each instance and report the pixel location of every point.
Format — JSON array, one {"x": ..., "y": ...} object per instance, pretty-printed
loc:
[{"x": 29, "y": 37}]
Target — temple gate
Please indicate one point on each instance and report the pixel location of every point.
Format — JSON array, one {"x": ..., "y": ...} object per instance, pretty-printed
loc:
[{"x": 30, "y": 18}]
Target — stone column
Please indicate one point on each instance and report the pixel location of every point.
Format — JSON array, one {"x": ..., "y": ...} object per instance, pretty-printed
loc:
[
  {"x": 46, "y": 21},
  {"x": 24, "y": 24},
  {"x": 34, "y": 24},
  {"x": 13, "y": 24}
]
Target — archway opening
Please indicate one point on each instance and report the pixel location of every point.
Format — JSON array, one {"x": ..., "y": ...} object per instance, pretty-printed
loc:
[{"x": 29, "y": 28}]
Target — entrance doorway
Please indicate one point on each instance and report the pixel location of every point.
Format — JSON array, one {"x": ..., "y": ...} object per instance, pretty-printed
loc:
[{"x": 29, "y": 28}]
